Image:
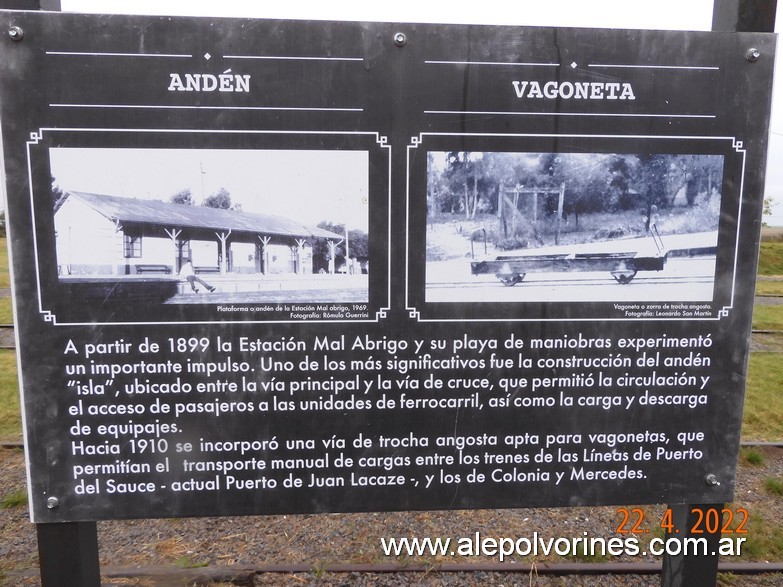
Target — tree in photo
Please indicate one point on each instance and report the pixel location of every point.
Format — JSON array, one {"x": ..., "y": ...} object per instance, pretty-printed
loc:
[
  {"x": 702, "y": 174},
  {"x": 621, "y": 170},
  {"x": 57, "y": 195},
  {"x": 220, "y": 199},
  {"x": 322, "y": 253},
  {"x": 183, "y": 196},
  {"x": 358, "y": 247},
  {"x": 653, "y": 182},
  {"x": 585, "y": 178},
  {"x": 436, "y": 188},
  {"x": 769, "y": 205}
]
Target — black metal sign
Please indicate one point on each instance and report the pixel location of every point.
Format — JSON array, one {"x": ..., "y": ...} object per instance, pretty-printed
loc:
[{"x": 266, "y": 267}]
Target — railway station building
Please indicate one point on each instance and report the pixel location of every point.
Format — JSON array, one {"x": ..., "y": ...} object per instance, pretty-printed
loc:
[{"x": 108, "y": 235}]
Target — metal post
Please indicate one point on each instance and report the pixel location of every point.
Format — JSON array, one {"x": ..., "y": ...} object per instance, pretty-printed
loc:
[
  {"x": 51, "y": 5},
  {"x": 744, "y": 16},
  {"x": 688, "y": 569},
  {"x": 68, "y": 554},
  {"x": 697, "y": 563}
]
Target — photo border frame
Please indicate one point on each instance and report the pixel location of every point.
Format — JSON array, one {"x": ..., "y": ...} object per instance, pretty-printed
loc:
[
  {"x": 422, "y": 311},
  {"x": 42, "y": 229}
]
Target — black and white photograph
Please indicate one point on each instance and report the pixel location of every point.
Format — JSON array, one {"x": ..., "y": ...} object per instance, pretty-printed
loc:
[
  {"x": 571, "y": 226},
  {"x": 212, "y": 226}
]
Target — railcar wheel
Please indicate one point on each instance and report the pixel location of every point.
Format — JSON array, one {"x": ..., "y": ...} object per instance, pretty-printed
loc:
[
  {"x": 623, "y": 277},
  {"x": 510, "y": 279}
]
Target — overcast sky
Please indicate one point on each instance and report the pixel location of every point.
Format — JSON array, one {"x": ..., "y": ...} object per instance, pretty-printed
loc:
[
  {"x": 661, "y": 14},
  {"x": 309, "y": 186}
]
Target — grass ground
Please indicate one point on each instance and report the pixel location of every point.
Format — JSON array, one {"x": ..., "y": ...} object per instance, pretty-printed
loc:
[
  {"x": 5, "y": 278},
  {"x": 767, "y": 317},
  {"x": 10, "y": 419},
  {"x": 762, "y": 419},
  {"x": 771, "y": 258},
  {"x": 771, "y": 234},
  {"x": 6, "y": 312},
  {"x": 770, "y": 263},
  {"x": 769, "y": 288}
]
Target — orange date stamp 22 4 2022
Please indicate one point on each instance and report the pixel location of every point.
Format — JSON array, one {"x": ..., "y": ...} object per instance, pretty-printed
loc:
[{"x": 709, "y": 521}]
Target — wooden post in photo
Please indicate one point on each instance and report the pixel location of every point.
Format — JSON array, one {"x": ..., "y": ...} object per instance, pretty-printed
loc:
[
  {"x": 502, "y": 210},
  {"x": 535, "y": 207},
  {"x": 560, "y": 198}
]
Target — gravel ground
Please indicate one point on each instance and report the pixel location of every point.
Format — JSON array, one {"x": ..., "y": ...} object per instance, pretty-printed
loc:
[
  {"x": 768, "y": 300},
  {"x": 318, "y": 540},
  {"x": 771, "y": 342}
]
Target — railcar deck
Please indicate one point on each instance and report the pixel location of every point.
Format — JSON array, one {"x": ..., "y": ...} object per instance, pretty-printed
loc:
[{"x": 623, "y": 267}]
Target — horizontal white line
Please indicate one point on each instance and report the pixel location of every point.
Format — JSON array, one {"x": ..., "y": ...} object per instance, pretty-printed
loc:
[
  {"x": 506, "y": 319},
  {"x": 280, "y": 57},
  {"x": 691, "y": 67},
  {"x": 116, "y": 54},
  {"x": 545, "y": 135},
  {"x": 161, "y": 107},
  {"x": 570, "y": 114},
  {"x": 492, "y": 63},
  {"x": 221, "y": 131}
]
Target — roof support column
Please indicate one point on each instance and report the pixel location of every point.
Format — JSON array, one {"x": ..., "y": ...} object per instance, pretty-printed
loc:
[
  {"x": 348, "y": 264},
  {"x": 223, "y": 237},
  {"x": 300, "y": 244},
  {"x": 264, "y": 254},
  {"x": 332, "y": 253},
  {"x": 119, "y": 239},
  {"x": 173, "y": 234}
]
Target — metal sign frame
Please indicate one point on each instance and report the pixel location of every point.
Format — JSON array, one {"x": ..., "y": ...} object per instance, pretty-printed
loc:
[{"x": 743, "y": 163}]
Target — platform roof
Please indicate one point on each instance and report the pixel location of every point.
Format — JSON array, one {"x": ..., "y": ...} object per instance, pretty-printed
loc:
[{"x": 168, "y": 215}]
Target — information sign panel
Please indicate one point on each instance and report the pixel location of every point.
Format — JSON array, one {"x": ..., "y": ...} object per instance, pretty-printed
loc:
[{"x": 279, "y": 266}]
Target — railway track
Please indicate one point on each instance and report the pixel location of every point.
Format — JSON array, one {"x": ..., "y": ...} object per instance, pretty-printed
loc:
[
  {"x": 7, "y": 339},
  {"x": 245, "y": 575}
]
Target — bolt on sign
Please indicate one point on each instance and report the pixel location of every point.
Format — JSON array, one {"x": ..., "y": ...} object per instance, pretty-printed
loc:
[{"x": 264, "y": 266}]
